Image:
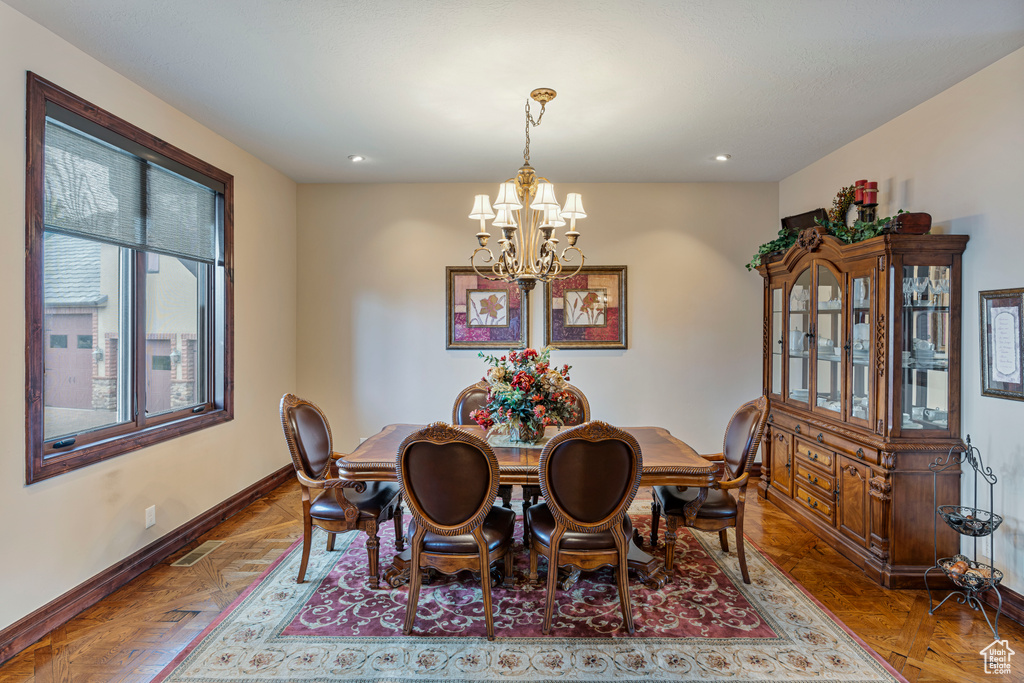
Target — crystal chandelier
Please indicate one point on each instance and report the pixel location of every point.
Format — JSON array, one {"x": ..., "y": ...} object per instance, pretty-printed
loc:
[{"x": 527, "y": 213}]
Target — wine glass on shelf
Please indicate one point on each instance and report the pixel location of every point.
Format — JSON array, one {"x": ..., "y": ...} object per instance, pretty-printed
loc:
[
  {"x": 908, "y": 289},
  {"x": 920, "y": 286}
]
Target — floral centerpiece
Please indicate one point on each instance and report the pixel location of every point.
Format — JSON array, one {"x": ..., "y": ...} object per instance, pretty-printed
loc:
[{"x": 525, "y": 395}]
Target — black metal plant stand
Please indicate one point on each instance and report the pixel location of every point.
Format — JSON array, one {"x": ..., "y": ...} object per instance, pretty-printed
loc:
[{"x": 971, "y": 576}]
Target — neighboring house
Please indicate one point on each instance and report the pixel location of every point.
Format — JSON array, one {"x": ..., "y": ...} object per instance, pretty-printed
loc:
[{"x": 81, "y": 300}]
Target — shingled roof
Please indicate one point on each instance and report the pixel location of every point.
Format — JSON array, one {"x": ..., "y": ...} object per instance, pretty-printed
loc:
[{"x": 71, "y": 271}]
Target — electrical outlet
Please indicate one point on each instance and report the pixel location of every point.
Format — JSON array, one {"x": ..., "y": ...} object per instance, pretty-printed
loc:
[
  {"x": 150, "y": 516},
  {"x": 985, "y": 549}
]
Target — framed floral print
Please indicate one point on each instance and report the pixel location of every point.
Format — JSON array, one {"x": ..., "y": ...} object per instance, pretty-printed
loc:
[
  {"x": 1002, "y": 343},
  {"x": 483, "y": 314},
  {"x": 587, "y": 310}
]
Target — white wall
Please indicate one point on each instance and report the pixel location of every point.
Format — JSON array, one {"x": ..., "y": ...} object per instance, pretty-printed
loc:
[
  {"x": 959, "y": 157},
  {"x": 372, "y": 302},
  {"x": 63, "y": 531}
]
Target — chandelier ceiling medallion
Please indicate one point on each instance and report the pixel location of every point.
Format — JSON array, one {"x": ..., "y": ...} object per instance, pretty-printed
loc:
[{"x": 527, "y": 213}]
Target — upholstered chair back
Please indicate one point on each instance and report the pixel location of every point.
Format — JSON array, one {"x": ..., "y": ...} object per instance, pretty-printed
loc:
[
  {"x": 589, "y": 475},
  {"x": 449, "y": 478},
  {"x": 308, "y": 435},
  {"x": 743, "y": 437},
  {"x": 469, "y": 399}
]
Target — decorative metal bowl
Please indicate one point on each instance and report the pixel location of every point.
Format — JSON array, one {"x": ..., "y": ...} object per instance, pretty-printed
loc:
[
  {"x": 970, "y": 521},
  {"x": 977, "y": 576}
]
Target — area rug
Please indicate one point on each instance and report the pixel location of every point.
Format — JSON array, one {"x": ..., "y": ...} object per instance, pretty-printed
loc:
[{"x": 705, "y": 625}]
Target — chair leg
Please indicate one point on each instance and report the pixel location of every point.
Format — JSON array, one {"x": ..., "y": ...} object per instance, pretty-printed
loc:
[
  {"x": 399, "y": 531},
  {"x": 526, "y": 520},
  {"x": 373, "y": 550},
  {"x": 533, "y": 567},
  {"x": 415, "y": 578},
  {"x": 671, "y": 522},
  {"x": 549, "y": 606},
  {"x": 307, "y": 538},
  {"x": 485, "y": 583},
  {"x": 655, "y": 519},
  {"x": 723, "y": 538},
  {"x": 330, "y": 541},
  {"x": 739, "y": 541},
  {"x": 623, "y": 576},
  {"x": 509, "y": 575}
]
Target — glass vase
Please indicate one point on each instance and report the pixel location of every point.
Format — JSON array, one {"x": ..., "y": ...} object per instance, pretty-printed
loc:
[{"x": 530, "y": 431}]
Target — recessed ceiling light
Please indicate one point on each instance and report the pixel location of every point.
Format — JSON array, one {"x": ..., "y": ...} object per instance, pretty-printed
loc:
[
  {"x": 356, "y": 157},
  {"x": 720, "y": 157}
]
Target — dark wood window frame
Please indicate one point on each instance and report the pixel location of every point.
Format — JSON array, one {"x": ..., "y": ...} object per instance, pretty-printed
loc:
[{"x": 45, "y": 459}]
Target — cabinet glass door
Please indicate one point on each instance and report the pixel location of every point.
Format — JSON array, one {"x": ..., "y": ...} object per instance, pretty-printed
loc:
[
  {"x": 777, "y": 341},
  {"x": 828, "y": 334},
  {"x": 925, "y": 347},
  {"x": 860, "y": 352},
  {"x": 799, "y": 371}
]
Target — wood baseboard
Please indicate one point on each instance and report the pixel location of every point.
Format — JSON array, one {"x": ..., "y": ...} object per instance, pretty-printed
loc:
[
  {"x": 1013, "y": 603},
  {"x": 58, "y": 611}
]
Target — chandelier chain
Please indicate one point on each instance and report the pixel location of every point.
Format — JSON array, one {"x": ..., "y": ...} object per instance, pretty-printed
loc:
[{"x": 529, "y": 122}]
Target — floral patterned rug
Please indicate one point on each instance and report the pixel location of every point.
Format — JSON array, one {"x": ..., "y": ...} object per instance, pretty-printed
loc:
[{"x": 706, "y": 625}]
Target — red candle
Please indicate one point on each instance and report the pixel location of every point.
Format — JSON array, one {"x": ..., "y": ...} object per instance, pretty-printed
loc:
[
  {"x": 858, "y": 191},
  {"x": 871, "y": 194}
]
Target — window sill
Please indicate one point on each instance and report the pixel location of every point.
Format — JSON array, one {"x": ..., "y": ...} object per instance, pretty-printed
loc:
[{"x": 43, "y": 467}]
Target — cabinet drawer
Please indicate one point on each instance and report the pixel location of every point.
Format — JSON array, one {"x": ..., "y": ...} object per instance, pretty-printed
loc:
[
  {"x": 815, "y": 504},
  {"x": 822, "y": 457},
  {"x": 812, "y": 477},
  {"x": 851, "y": 448},
  {"x": 789, "y": 423}
]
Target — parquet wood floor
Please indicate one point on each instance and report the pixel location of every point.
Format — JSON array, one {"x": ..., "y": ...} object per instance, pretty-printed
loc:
[{"x": 132, "y": 634}]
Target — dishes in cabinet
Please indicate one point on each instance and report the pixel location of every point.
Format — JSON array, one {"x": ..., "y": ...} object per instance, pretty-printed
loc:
[
  {"x": 828, "y": 404},
  {"x": 798, "y": 394}
]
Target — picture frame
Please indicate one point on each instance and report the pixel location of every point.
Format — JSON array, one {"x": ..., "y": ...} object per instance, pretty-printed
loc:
[
  {"x": 484, "y": 314},
  {"x": 1002, "y": 343},
  {"x": 587, "y": 310}
]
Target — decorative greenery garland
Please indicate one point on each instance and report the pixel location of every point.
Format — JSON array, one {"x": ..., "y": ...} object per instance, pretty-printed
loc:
[{"x": 834, "y": 225}]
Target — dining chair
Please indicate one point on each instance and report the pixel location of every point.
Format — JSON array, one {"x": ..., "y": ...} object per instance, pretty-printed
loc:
[
  {"x": 589, "y": 476},
  {"x": 450, "y": 480},
  {"x": 720, "y": 510},
  {"x": 475, "y": 396},
  {"x": 338, "y": 505}
]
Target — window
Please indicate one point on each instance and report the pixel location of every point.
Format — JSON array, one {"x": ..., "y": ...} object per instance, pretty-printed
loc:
[{"x": 125, "y": 348}]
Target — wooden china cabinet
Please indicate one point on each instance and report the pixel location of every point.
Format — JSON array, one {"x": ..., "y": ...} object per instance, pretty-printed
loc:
[{"x": 862, "y": 373}]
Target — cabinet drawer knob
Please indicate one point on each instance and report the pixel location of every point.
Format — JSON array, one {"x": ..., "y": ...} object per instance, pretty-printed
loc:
[
  {"x": 798, "y": 429},
  {"x": 771, "y": 417},
  {"x": 812, "y": 503},
  {"x": 860, "y": 453},
  {"x": 812, "y": 456},
  {"x": 821, "y": 437}
]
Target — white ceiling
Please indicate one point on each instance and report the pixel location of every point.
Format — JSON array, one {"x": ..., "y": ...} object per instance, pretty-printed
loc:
[{"x": 648, "y": 91}]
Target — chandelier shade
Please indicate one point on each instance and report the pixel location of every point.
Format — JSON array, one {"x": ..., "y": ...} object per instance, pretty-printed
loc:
[
  {"x": 573, "y": 206},
  {"x": 527, "y": 212},
  {"x": 545, "y": 198},
  {"x": 507, "y": 197},
  {"x": 482, "y": 207}
]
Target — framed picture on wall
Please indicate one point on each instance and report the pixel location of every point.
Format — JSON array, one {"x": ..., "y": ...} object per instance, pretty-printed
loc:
[
  {"x": 587, "y": 310},
  {"x": 1002, "y": 342},
  {"x": 482, "y": 314}
]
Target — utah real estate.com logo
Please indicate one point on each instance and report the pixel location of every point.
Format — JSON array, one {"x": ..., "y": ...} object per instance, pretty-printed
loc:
[{"x": 997, "y": 657}]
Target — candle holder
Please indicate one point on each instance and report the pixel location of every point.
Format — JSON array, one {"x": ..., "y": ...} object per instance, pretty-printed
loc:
[{"x": 869, "y": 194}]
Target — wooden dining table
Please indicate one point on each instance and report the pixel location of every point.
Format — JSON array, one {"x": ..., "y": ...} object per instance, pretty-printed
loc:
[{"x": 666, "y": 461}]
